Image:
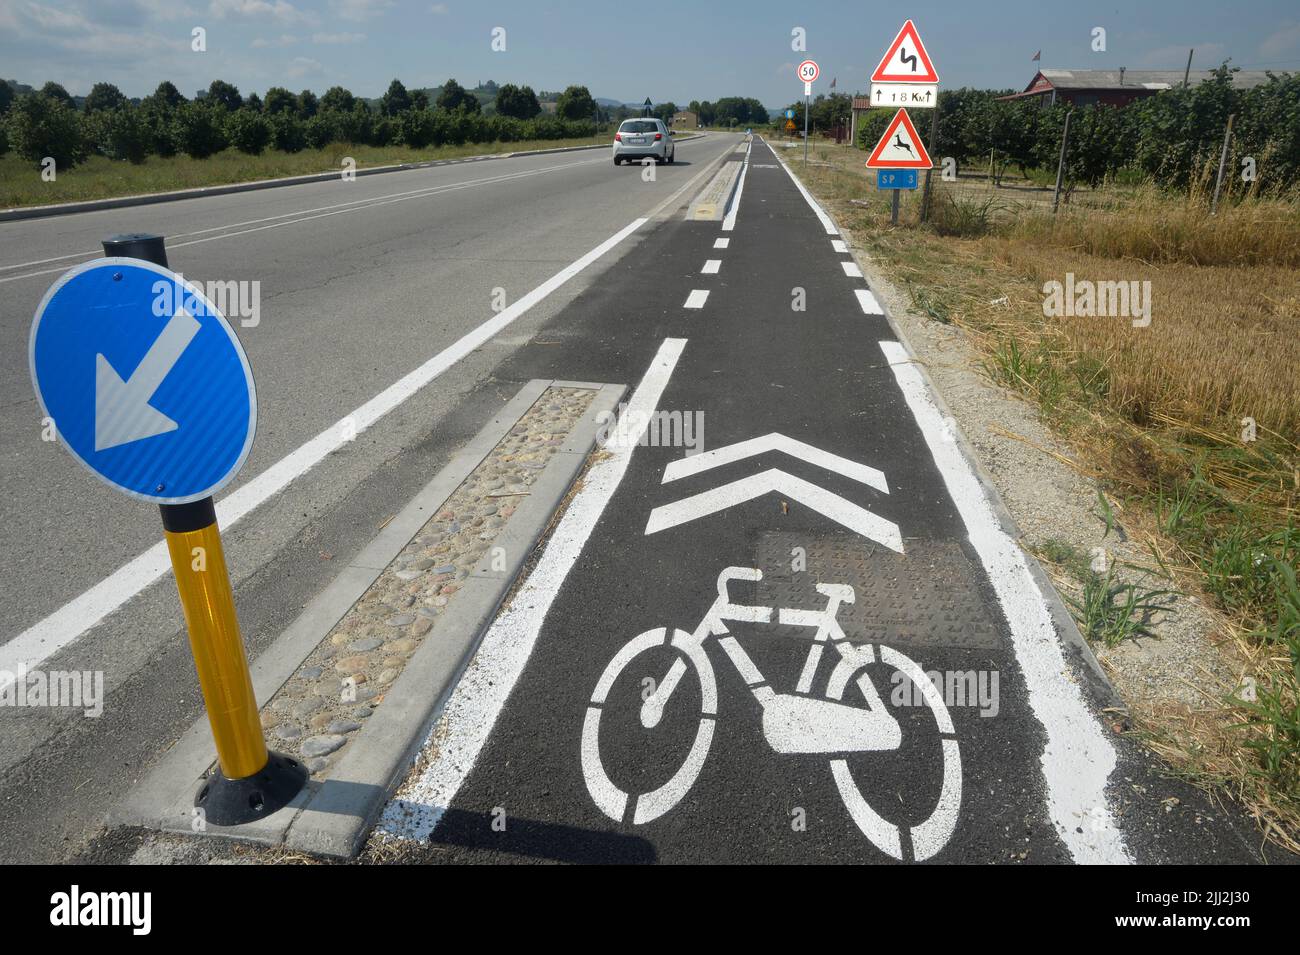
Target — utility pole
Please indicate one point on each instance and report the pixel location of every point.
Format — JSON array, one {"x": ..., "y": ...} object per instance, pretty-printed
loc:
[{"x": 1188, "y": 72}]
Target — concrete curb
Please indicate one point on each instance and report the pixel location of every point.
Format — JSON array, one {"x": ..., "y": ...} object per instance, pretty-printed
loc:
[
  {"x": 333, "y": 816},
  {"x": 119, "y": 202}
]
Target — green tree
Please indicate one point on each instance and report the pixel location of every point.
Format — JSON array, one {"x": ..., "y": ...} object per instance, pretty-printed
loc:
[
  {"x": 40, "y": 126},
  {"x": 517, "y": 101},
  {"x": 166, "y": 95},
  {"x": 288, "y": 133},
  {"x": 575, "y": 103},
  {"x": 455, "y": 97},
  {"x": 417, "y": 127},
  {"x": 338, "y": 100},
  {"x": 221, "y": 93},
  {"x": 253, "y": 103},
  {"x": 279, "y": 100},
  {"x": 249, "y": 132},
  {"x": 6, "y": 96},
  {"x": 103, "y": 96},
  {"x": 54, "y": 91},
  {"x": 197, "y": 130},
  {"x": 308, "y": 104},
  {"x": 119, "y": 133},
  {"x": 396, "y": 100},
  {"x": 420, "y": 99}
]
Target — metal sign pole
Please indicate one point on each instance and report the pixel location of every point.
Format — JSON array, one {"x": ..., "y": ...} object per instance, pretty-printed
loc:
[{"x": 807, "y": 99}]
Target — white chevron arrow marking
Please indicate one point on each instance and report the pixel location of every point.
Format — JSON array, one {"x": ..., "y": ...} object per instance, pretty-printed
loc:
[
  {"x": 696, "y": 463},
  {"x": 825, "y": 502}
]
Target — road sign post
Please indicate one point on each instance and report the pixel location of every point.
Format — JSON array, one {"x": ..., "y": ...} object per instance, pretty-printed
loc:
[
  {"x": 808, "y": 71},
  {"x": 172, "y": 431}
]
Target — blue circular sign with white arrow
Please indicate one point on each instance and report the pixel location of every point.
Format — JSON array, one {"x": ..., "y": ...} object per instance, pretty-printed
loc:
[{"x": 144, "y": 379}]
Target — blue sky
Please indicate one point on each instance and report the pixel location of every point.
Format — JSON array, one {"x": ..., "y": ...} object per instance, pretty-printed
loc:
[{"x": 666, "y": 49}]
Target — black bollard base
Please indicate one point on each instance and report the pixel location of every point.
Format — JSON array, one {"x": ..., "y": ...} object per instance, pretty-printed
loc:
[{"x": 235, "y": 802}]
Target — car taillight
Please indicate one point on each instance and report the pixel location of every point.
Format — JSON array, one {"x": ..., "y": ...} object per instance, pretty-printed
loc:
[
  {"x": 659, "y": 136},
  {"x": 618, "y": 137}
]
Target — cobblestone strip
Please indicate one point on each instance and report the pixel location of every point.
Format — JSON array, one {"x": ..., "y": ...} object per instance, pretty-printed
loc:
[{"x": 342, "y": 682}]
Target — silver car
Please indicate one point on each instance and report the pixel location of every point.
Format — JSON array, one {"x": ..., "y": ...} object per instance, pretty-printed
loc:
[{"x": 646, "y": 138}]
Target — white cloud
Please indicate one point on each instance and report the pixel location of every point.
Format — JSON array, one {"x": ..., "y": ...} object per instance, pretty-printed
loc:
[
  {"x": 283, "y": 40},
  {"x": 335, "y": 38},
  {"x": 439, "y": 9},
  {"x": 1281, "y": 41},
  {"x": 358, "y": 10},
  {"x": 281, "y": 11},
  {"x": 301, "y": 66}
]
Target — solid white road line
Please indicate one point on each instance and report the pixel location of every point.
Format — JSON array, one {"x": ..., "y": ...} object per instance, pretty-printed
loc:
[
  {"x": 46, "y": 637},
  {"x": 711, "y": 267},
  {"x": 476, "y": 702},
  {"x": 721, "y": 243},
  {"x": 1078, "y": 759},
  {"x": 826, "y": 222},
  {"x": 851, "y": 270},
  {"x": 839, "y": 245},
  {"x": 868, "y": 302},
  {"x": 729, "y": 221},
  {"x": 697, "y": 298}
]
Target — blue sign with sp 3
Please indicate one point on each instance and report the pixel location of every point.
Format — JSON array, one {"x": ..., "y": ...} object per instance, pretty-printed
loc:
[
  {"x": 145, "y": 381},
  {"x": 895, "y": 178}
]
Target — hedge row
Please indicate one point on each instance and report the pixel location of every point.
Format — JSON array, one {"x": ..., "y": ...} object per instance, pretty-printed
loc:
[{"x": 38, "y": 126}]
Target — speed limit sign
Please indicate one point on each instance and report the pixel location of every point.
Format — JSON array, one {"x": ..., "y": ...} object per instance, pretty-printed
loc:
[{"x": 808, "y": 71}]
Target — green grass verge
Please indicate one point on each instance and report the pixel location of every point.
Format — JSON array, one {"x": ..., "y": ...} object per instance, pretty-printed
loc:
[{"x": 101, "y": 178}]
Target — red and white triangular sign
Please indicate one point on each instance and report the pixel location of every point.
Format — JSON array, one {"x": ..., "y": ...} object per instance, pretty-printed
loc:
[
  {"x": 906, "y": 60},
  {"x": 900, "y": 147}
]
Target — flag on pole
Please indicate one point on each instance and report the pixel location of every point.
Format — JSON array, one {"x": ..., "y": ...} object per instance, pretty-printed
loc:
[
  {"x": 832, "y": 82},
  {"x": 1037, "y": 57}
]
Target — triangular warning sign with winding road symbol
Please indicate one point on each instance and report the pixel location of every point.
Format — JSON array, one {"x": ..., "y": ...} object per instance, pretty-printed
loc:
[{"x": 906, "y": 60}]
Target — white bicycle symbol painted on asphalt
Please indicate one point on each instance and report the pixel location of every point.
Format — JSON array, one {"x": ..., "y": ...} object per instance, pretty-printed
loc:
[{"x": 792, "y": 723}]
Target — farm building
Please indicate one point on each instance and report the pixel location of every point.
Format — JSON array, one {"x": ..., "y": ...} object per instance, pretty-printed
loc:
[{"x": 1118, "y": 87}]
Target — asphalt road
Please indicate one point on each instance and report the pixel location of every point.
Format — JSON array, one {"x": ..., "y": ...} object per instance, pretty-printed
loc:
[
  {"x": 581, "y": 755},
  {"x": 361, "y": 283}
]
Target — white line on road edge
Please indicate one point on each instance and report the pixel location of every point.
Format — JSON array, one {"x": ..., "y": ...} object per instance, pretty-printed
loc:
[
  {"x": 1078, "y": 759},
  {"x": 697, "y": 298},
  {"x": 868, "y": 302},
  {"x": 478, "y": 698},
  {"x": 729, "y": 221},
  {"x": 839, "y": 245},
  {"x": 46, "y": 637},
  {"x": 827, "y": 224},
  {"x": 721, "y": 243},
  {"x": 851, "y": 270},
  {"x": 711, "y": 266}
]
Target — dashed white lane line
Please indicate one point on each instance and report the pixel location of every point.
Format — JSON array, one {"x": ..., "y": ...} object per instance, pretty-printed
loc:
[
  {"x": 1078, "y": 758},
  {"x": 721, "y": 243},
  {"x": 839, "y": 245},
  {"x": 61, "y": 628},
  {"x": 851, "y": 270},
  {"x": 711, "y": 267},
  {"x": 868, "y": 302},
  {"x": 479, "y": 696},
  {"x": 697, "y": 298}
]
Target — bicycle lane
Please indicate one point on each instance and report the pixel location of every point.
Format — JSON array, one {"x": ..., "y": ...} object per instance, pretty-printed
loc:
[{"x": 816, "y": 472}]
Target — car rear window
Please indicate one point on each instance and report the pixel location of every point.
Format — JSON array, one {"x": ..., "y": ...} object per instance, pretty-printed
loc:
[{"x": 641, "y": 126}]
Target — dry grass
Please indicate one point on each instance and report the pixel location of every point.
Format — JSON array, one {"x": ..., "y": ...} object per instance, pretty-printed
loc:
[{"x": 1157, "y": 410}]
